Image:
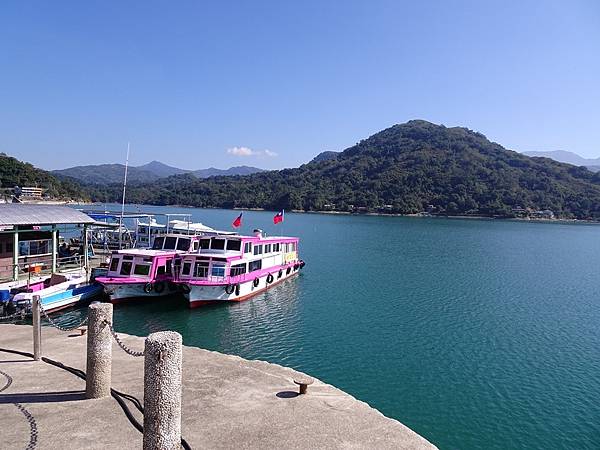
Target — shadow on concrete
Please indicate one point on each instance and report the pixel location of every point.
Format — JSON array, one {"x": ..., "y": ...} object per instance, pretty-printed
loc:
[
  {"x": 287, "y": 394},
  {"x": 43, "y": 397},
  {"x": 15, "y": 360}
]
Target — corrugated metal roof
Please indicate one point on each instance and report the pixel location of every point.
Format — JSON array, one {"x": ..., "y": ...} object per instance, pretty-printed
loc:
[{"x": 27, "y": 214}]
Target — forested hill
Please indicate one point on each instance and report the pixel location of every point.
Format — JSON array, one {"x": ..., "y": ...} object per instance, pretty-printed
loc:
[
  {"x": 402, "y": 169},
  {"x": 16, "y": 173}
]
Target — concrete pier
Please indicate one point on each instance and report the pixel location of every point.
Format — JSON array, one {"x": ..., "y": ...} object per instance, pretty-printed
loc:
[{"x": 227, "y": 402}]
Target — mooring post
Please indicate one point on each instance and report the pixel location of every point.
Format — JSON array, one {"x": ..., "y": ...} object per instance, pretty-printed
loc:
[
  {"x": 99, "y": 350},
  {"x": 162, "y": 391},
  {"x": 37, "y": 328}
]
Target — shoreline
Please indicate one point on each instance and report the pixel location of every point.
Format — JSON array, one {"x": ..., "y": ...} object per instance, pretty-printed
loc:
[{"x": 377, "y": 214}]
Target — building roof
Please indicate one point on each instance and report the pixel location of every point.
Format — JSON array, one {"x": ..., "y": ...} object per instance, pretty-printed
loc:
[{"x": 26, "y": 214}]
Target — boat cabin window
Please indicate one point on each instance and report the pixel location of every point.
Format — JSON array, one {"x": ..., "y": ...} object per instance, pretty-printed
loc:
[
  {"x": 169, "y": 267},
  {"x": 183, "y": 244},
  {"x": 196, "y": 245},
  {"x": 158, "y": 243},
  {"x": 218, "y": 244},
  {"x": 255, "y": 265},
  {"x": 201, "y": 269},
  {"x": 247, "y": 247},
  {"x": 218, "y": 270},
  {"x": 237, "y": 269},
  {"x": 234, "y": 244},
  {"x": 205, "y": 244},
  {"x": 126, "y": 268},
  {"x": 276, "y": 247},
  {"x": 161, "y": 270},
  {"x": 114, "y": 264},
  {"x": 142, "y": 230},
  {"x": 187, "y": 266},
  {"x": 170, "y": 242},
  {"x": 268, "y": 248},
  {"x": 141, "y": 269},
  {"x": 258, "y": 249}
]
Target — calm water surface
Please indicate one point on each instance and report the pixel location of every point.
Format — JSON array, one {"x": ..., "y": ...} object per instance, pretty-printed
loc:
[{"x": 476, "y": 334}]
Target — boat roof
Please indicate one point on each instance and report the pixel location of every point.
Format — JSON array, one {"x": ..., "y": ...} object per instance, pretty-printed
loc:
[
  {"x": 12, "y": 214},
  {"x": 145, "y": 252}
]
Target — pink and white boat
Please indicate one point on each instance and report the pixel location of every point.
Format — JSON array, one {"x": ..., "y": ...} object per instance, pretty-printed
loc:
[
  {"x": 235, "y": 268},
  {"x": 146, "y": 272}
]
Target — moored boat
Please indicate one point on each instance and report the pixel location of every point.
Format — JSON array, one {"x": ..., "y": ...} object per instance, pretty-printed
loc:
[
  {"x": 236, "y": 268},
  {"x": 136, "y": 273}
]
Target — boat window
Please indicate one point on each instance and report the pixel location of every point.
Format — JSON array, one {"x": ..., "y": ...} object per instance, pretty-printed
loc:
[
  {"x": 126, "y": 268},
  {"x": 128, "y": 257},
  {"x": 247, "y": 247},
  {"x": 160, "y": 270},
  {"x": 196, "y": 245},
  {"x": 201, "y": 269},
  {"x": 234, "y": 244},
  {"x": 218, "y": 244},
  {"x": 218, "y": 270},
  {"x": 114, "y": 264},
  {"x": 142, "y": 230},
  {"x": 158, "y": 243},
  {"x": 183, "y": 244},
  {"x": 258, "y": 249},
  {"x": 268, "y": 248},
  {"x": 238, "y": 269},
  {"x": 276, "y": 247},
  {"x": 255, "y": 265},
  {"x": 169, "y": 267},
  {"x": 205, "y": 244},
  {"x": 170, "y": 242},
  {"x": 141, "y": 269},
  {"x": 187, "y": 266}
]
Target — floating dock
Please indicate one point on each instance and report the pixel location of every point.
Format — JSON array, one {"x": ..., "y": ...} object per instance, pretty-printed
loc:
[{"x": 228, "y": 402}]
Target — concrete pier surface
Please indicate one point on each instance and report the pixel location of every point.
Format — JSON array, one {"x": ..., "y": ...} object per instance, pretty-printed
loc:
[{"x": 228, "y": 402}]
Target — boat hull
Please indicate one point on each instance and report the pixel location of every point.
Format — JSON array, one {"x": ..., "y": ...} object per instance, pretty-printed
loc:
[
  {"x": 119, "y": 292},
  {"x": 201, "y": 294},
  {"x": 59, "y": 296}
]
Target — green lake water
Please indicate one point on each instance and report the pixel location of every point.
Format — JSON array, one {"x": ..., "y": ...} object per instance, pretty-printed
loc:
[{"x": 474, "y": 333}]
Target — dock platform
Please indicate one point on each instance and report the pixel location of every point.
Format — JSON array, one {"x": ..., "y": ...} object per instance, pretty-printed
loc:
[{"x": 228, "y": 402}]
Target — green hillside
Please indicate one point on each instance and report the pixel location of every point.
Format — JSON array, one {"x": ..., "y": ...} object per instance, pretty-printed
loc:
[
  {"x": 401, "y": 169},
  {"x": 16, "y": 173}
]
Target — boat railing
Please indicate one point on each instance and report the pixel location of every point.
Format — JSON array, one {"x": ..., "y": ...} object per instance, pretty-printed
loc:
[{"x": 35, "y": 266}]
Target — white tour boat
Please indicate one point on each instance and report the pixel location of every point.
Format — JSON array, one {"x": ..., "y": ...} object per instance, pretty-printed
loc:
[{"x": 235, "y": 268}]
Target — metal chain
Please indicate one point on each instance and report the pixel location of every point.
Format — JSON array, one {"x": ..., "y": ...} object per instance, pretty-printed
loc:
[
  {"x": 55, "y": 325},
  {"x": 33, "y": 432},
  {"x": 120, "y": 343},
  {"x": 11, "y": 316}
]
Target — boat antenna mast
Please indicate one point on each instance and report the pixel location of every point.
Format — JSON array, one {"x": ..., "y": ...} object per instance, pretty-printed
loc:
[{"x": 123, "y": 201}]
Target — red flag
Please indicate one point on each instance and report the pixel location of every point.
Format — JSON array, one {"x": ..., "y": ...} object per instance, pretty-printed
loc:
[
  {"x": 238, "y": 221},
  {"x": 278, "y": 217}
]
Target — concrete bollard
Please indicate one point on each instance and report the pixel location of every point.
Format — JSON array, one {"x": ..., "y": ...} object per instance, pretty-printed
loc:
[
  {"x": 99, "y": 351},
  {"x": 37, "y": 327},
  {"x": 162, "y": 391}
]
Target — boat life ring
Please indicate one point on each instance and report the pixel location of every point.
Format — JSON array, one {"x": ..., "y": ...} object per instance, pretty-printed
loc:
[
  {"x": 185, "y": 289},
  {"x": 148, "y": 288},
  {"x": 255, "y": 282},
  {"x": 289, "y": 269},
  {"x": 159, "y": 287},
  {"x": 229, "y": 289},
  {"x": 237, "y": 289},
  {"x": 280, "y": 274},
  {"x": 270, "y": 278}
]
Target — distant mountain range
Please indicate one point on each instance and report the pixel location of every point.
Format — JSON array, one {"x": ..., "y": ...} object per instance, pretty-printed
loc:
[
  {"x": 407, "y": 168},
  {"x": 152, "y": 171},
  {"x": 568, "y": 157}
]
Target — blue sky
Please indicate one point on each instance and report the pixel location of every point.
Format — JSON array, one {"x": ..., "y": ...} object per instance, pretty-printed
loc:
[{"x": 271, "y": 84}]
